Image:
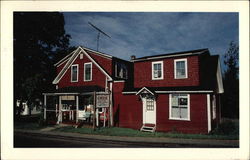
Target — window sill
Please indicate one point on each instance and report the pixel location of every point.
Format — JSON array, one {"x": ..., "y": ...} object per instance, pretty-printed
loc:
[
  {"x": 74, "y": 81},
  {"x": 87, "y": 80},
  {"x": 180, "y": 77},
  {"x": 157, "y": 79},
  {"x": 179, "y": 119}
]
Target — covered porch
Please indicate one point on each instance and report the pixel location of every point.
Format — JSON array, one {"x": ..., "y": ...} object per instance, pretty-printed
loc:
[{"x": 77, "y": 105}]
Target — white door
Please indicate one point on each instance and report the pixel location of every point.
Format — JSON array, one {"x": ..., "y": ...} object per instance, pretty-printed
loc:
[{"x": 149, "y": 111}]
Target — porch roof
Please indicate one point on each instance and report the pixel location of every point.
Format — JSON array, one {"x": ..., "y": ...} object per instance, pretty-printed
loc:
[{"x": 77, "y": 90}]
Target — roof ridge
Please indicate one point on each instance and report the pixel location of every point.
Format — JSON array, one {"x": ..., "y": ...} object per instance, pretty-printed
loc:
[{"x": 173, "y": 53}]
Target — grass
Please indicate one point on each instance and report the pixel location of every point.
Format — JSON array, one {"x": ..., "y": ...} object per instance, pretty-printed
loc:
[
  {"x": 28, "y": 126},
  {"x": 114, "y": 131}
]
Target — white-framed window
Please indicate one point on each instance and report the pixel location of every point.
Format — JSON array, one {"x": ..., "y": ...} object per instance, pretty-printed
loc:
[
  {"x": 180, "y": 68},
  {"x": 179, "y": 106},
  {"x": 88, "y": 71},
  {"x": 157, "y": 70},
  {"x": 121, "y": 70},
  {"x": 74, "y": 73}
]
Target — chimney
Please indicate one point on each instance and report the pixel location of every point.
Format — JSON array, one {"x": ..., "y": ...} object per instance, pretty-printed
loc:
[{"x": 133, "y": 57}]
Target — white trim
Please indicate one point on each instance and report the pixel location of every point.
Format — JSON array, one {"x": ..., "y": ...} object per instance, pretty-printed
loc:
[
  {"x": 84, "y": 75},
  {"x": 170, "y": 109},
  {"x": 208, "y": 91},
  {"x": 98, "y": 53},
  {"x": 129, "y": 92},
  {"x": 145, "y": 89},
  {"x": 167, "y": 56},
  {"x": 76, "y": 73},
  {"x": 208, "y": 114},
  {"x": 117, "y": 81},
  {"x": 64, "y": 58},
  {"x": 162, "y": 68},
  {"x": 186, "y": 70},
  {"x": 66, "y": 67},
  {"x": 72, "y": 59},
  {"x": 109, "y": 78}
]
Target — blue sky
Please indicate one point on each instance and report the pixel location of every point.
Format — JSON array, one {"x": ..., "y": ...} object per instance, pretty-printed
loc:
[{"x": 152, "y": 33}]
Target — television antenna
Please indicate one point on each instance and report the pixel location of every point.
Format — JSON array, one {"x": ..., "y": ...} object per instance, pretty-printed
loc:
[{"x": 98, "y": 35}]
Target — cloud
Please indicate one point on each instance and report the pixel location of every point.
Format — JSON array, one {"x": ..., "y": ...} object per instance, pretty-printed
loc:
[{"x": 150, "y": 33}]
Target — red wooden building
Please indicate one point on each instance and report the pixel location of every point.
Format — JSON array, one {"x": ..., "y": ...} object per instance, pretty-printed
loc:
[{"x": 168, "y": 92}]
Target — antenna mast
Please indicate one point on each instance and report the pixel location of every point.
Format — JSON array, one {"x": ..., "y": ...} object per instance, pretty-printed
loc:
[{"x": 98, "y": 34}]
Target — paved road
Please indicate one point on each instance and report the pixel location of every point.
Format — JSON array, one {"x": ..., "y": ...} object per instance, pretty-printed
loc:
[{"x": 32, "y": 140}]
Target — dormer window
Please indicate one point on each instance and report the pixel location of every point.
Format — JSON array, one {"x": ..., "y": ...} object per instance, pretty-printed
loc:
[
  {"x": 121, "y": 70},
  {"x": 157, "y": 70},
  {"x": 180, "y": 69},
  {"x": 74, "y": 73}
]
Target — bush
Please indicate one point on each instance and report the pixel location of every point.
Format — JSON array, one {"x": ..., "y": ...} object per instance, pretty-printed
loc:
[{"x": 227, "y": 127}]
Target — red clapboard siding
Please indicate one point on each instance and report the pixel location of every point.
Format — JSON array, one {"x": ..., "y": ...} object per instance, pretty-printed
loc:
[
  {"x": 105, "y": 63},
  {"x": 198, "y": 115},
  {"x": 127, "y": 109},
  {"x": 143, "y": 70},
  {"x": 98, "y": 77}
]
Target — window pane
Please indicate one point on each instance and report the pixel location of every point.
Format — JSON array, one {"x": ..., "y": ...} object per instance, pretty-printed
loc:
[
  {"x": 74, "y": 73},
  {"x": 157, "y": 70},
  {"x": 183, "y": 101},
  {"x": 180, "y": 69},
  {"x": 184, "y": 113},
  {"x": 87, "y": 71},
  {"x": 175, "y": 112}
]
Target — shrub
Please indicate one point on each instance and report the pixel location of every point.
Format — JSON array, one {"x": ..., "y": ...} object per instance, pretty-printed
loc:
[{"x": 227, "y": 127}]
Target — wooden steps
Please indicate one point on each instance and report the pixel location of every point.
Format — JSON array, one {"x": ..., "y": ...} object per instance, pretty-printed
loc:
[{"x": 148, "y": 128}]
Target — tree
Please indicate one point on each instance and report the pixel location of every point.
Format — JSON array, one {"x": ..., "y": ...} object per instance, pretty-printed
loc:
[
  {"x": 231, "y": 82},
  {"x": 38, "y": 38}
]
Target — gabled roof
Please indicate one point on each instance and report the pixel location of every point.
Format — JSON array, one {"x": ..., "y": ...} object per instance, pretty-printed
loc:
[
  {"x": 66, "y": 58},
  {"x": 71, "y": 60},
  {"x": 175, "y": 54},
  {"x": 143, "y": 90}
]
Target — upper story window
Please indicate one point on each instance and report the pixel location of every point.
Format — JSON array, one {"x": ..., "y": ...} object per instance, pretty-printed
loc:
[
  {"x": 179, "y": 108},
  {"x": 180, "y": 68},
  {"x": 157, "y": 70},
  {"x": 74, "y": 73},
  {"x": 121, "y": 70},
  {"x": 88, "y": 71}
]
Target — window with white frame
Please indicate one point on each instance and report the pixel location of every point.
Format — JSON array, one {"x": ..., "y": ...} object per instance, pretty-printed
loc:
[
  {"x": 179, "y": 107},
  {"x": 180, "y": 66},
  {"x": 157, "y": 70},
  {"x": 88, "y": 71},
  {"x": 74, "y": 73}
]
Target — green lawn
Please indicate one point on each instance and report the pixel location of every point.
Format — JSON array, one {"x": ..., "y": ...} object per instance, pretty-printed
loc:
[{"x": 114, "y": 131}]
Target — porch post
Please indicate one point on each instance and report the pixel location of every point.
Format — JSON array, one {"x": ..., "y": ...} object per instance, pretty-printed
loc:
[
  {"x": 77, "y": 107},
  {"x": 208, "y": 113},
  {"x": 111, "y": 105},
  {"x": 60, "y": 109},
  {"x": 45, "y": 104}
]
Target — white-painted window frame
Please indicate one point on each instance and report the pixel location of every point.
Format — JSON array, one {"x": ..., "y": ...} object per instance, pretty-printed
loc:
[
  {"x": 186, "y": 68},
  {"x": 188, "y": 109},
  {"x": 162, "y": 68},
  {"x": 77, "y": 66},
  {"x": 84, "y": 74}
]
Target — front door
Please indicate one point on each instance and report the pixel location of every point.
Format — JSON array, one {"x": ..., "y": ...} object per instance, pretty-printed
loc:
[{"x": 149, "y": 111}]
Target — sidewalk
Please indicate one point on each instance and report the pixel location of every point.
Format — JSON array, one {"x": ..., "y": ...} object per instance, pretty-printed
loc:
[{"x": 160, "y": 140}]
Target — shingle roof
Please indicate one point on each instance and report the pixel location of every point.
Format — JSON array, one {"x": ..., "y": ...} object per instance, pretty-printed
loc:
[{"x": 78, "y": 89}]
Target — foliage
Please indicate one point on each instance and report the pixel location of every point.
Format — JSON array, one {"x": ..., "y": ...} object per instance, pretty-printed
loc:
[
  {"x": 39, "y": 40},
  {"x": 227, "y": 127},
  {"x": 231, "y": 83}
]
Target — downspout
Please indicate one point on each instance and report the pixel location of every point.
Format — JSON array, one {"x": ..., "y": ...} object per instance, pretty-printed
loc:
[{"x": 111, "y": 104}]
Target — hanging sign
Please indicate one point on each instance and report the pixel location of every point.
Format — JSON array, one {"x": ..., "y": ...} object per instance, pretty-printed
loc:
[{"x": 102, "y": 101}]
